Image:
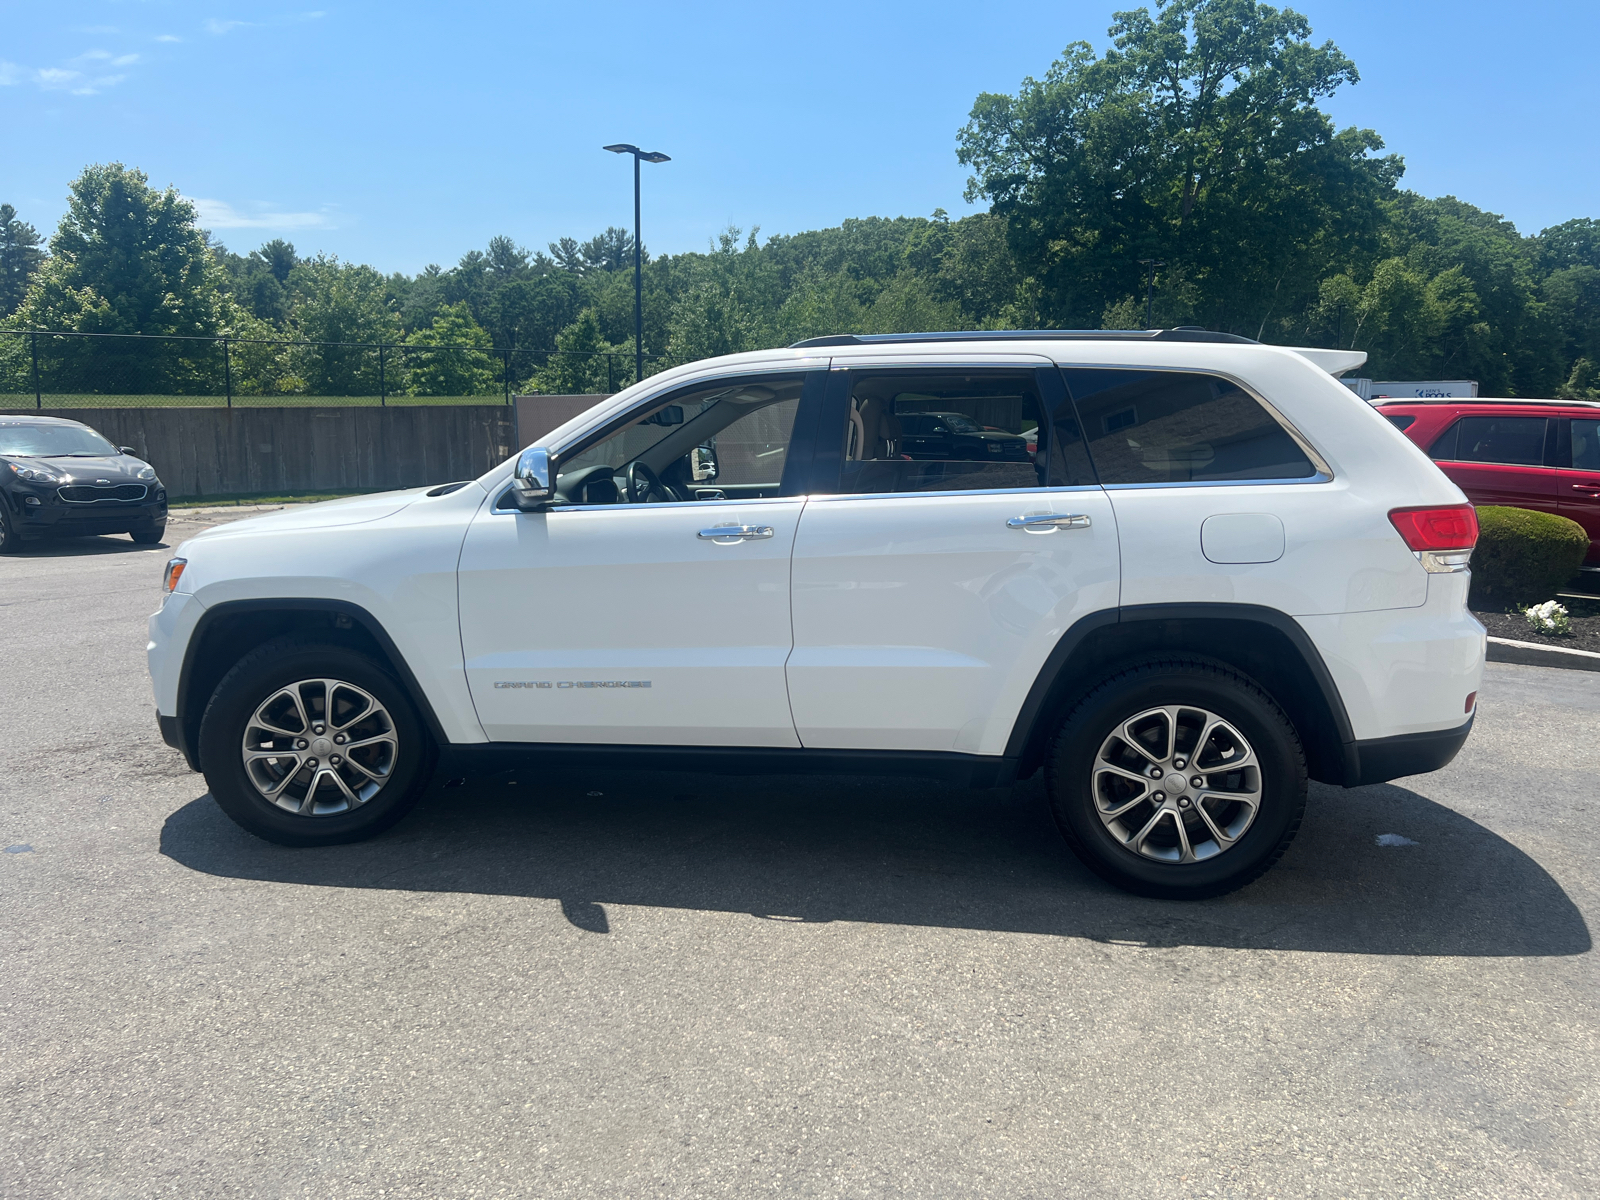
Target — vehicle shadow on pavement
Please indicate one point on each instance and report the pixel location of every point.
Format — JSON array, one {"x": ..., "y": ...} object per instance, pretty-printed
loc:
[
  {"x": 910, "y": 852},
  {"x": 79, "y": 547}
]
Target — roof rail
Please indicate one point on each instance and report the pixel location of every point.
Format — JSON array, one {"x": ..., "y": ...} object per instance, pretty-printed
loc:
[
  {"x": 1184, "y": 333},
  {"x": 1379, "y": 400}
]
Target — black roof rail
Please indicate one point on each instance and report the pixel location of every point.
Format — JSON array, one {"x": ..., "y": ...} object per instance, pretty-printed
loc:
[{"x": 1184, "y": 333}]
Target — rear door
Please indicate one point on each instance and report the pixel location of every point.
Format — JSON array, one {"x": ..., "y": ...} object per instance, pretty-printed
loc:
[
  {"x": 928, "y": 591},
  {"x": 1505, "y": 459},
  {"x": 1578, "y": 483}
]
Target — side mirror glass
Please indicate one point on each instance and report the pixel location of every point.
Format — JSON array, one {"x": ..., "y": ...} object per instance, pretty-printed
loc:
[
  {"x": 531, "y": 483},
  {"x": 703, "y": 463},
  {"x": 128, "y": 450}
]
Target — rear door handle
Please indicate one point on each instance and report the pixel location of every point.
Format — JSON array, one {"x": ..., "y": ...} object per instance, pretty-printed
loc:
[
  {"x": 1048, "y": 520},
  {"x": 1587, "y": 487},
  {"x": 736, "y": 533}
]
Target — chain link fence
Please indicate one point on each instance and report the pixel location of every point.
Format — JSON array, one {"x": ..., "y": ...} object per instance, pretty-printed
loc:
[{"x": 41, "y": 370}]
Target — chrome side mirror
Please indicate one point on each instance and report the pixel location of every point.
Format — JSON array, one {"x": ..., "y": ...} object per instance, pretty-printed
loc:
[{"x": 532, "y": 485}]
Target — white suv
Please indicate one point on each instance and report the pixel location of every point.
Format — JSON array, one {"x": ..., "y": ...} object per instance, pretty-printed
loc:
[{"x": 1180, "y": 571}]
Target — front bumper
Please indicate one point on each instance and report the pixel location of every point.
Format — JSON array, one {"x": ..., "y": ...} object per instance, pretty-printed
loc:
[{"x": 39, "y": 512}]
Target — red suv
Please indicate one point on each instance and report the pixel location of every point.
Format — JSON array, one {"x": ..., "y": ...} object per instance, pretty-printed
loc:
[{"x": 1540, "y": 454}]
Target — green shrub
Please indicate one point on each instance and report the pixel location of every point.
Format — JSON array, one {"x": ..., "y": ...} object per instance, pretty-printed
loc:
[{"x": 1523, "y": 556}]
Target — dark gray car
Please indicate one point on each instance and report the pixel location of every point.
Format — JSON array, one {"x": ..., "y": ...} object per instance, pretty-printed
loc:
[{"x": 61, "y": 478}]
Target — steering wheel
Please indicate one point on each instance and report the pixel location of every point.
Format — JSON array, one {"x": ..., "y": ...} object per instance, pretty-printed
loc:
[{"x": 642, "y": 482}]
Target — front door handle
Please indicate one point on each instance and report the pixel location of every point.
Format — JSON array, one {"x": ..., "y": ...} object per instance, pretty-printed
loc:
[
  {"x": 1593, "y": 488},
  {"x": 1049, "y": 520},
  {"x": 736, "y": 533}
]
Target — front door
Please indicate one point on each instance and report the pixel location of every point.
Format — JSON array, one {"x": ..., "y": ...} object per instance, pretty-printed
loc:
[
  {"x": 928, "y": 591},
  {"x": 634, "y": 612},
  {"x": 1578, "y": 486}
]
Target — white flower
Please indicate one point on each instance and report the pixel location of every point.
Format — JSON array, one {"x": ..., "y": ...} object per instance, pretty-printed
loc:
[{"x": 1548, "y": 618}]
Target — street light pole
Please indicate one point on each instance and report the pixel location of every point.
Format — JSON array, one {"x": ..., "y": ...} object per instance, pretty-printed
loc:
[
  {"x": 1150, "y": 288},
  {"x": 639, "y": 155}
]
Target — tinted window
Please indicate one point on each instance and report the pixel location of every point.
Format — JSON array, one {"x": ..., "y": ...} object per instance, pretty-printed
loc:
[
  {"x": 1586, "y": 445},
  {"x": 1515, "y": 440},
  {"x": 936, "y": 431},
  {"x": 1178, "y": 427},
  {"x": 1401, "y": 422}
]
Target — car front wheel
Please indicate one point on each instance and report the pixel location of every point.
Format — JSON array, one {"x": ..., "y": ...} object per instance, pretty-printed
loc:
[
  {"x": 308, "y": 744},
  {"x": 1177, "y": 779}
]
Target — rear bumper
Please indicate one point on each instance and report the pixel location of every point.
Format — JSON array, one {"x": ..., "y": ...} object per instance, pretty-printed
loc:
[{"x": 1382, "y": 759}]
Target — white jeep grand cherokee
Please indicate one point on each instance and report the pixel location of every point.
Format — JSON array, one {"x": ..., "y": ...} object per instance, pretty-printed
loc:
[{"x": 1180, "y": 571}]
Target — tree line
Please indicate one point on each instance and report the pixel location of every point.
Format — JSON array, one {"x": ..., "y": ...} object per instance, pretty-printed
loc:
[{"x": 1194, "y": 142}]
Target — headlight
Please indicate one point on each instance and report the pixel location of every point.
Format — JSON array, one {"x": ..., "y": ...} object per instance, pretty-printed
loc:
[
  {"x": 146, "y": 473},
  {"x": 34, "y": 474}
]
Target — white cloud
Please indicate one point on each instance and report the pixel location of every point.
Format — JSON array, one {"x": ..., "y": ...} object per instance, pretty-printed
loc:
[
  {"x": 123, "y": 60},
  {"x": 10, "y": 74},
  {"x": 219, "y": 214},
  {"x": 94, "y": 85},
  {"x": 56, "y": 77},
  {"x": 167, "y": 37},
  {"x": 220, "y": 27}
]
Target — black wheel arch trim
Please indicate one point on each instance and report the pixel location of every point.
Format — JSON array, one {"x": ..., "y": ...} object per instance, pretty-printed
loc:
[
  {"x": 186, "y": 725},
  {"x": 1035, "y": 706}
]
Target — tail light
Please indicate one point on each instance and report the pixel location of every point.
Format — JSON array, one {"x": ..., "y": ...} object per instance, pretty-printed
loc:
[{"x": 1441, "y": 538}]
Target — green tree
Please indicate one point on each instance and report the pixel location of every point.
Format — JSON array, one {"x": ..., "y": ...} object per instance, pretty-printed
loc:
[
  {"x": 1195, "y": 140},
  {"x": 342, "y": 310},
  {"x": 582, "y": 367},
  {"x": 129, "y": 259},
  {"x": 439, "y": 366},
  {"x": 20, "y": 259}
]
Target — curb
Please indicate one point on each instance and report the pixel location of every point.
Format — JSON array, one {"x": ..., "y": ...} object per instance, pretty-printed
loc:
[{"x": 1533, "y": 654}]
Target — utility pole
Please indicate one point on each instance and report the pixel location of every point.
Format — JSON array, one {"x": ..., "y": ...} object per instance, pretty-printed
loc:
[
  {"x": 1150, "y": 288},
  {"x": 654, "y": 156}
]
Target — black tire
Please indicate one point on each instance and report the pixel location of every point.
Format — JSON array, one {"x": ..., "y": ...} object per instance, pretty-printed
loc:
[
  {"x": 149, "y": 535},
  {"x": 1072, "y": 781},
  {"x": 10, "y": 540},
  {"x": 250, "y": 683}
]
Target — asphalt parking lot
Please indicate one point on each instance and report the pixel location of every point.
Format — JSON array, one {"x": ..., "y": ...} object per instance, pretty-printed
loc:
[{"x": 677, "y": 986}]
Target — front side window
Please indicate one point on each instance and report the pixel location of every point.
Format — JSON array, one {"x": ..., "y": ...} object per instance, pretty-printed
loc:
[
  {"x": 1180, "y": 427},
  {"x": 941, "y": 431},
  {"x": 1586, "y": 445},
  {"x": 728, "y": 441},
  {"x": 1515, "y": 441}
]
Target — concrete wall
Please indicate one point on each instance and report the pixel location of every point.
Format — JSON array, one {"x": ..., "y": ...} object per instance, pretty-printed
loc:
[
  {"x": 239, "y": 451},
  {"x": 538, "y": 415}
]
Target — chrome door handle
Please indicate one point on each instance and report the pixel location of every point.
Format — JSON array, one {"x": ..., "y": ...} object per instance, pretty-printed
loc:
[
  {"x": 1058, "y": 520},
  {"x": 736, "y": 533}
]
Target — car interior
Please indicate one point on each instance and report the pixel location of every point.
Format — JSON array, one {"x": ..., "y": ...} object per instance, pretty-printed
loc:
[{"x": 729, "y": 442}]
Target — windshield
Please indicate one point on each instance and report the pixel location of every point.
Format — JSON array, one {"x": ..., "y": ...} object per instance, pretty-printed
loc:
[{"x": 52, "y": 441}]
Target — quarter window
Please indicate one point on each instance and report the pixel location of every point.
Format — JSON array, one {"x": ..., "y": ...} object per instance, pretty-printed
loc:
[
  {"x": 1180, "y": 427},
  {"x": 1516, "y": 441}
]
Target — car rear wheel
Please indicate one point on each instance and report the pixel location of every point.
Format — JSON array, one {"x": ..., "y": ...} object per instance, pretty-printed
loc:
[
  {"x": 1178, "y": 779},
  {"x": 308, "y": 744}
]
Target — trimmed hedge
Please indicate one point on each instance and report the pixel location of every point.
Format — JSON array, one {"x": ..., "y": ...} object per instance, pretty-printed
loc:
[{"x": 1524, "y": 557}]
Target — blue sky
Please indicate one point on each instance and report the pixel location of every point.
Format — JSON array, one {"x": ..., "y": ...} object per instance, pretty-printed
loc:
[{"x": 406, "y": 133}]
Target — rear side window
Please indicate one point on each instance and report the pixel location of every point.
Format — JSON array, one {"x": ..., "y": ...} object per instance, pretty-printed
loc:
[
  {"x": 1401, "y": 422},
  {"x": 1180, "y": 427},
  {"x": 1515, "y": 441},
  {"x": 1586, "y": 445}
]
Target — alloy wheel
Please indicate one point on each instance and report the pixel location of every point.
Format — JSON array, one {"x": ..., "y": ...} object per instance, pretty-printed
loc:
[
  {"x": 319, "y": 747},
  {"x": 1176, "y": 784}
]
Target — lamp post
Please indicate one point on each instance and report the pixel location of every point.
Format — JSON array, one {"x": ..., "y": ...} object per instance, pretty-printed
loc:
[
  {"x": 1150, "y": 287},
  {"x": 654, "y": 156}
]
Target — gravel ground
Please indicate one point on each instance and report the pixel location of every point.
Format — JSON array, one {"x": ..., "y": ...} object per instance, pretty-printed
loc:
[{"x": 666, "y": 985}]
